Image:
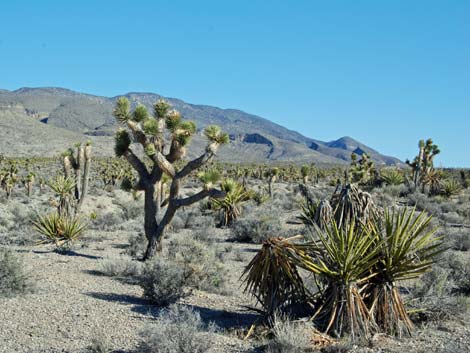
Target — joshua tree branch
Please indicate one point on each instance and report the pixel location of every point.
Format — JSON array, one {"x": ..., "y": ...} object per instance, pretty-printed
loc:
[
  {"x": 137, "y": 164},
  {"x": 187, "y": 201},
  {"x": 195, "y": 164}
]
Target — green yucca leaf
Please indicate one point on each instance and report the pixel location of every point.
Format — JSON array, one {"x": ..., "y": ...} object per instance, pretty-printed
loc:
[
  {"x": 58, "y": 229},
  {"x": 122, "y": 110},
  {"x": 62, "y": 186},
  {"x": 150, "y": 126},
  {"x": 122, "y": 141},
  {"x": 173, "y": 120},
  {"x": 188, "y": 126},
  {"x": 215, "y": 134},
  {"x": 140, "y": 113},
  {"x": 160, "y": 109}
]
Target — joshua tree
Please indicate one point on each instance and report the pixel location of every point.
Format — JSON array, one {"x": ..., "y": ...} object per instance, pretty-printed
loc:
[
  {"x": 363, "y": 170},
  {"x": 29, "y": 182},
  {"x": 149, "y": 131},
  {"x": 79, "y": 162},
  {"x": 305, "y": 171},
  {"x": 9, "y": 178},
  {"x": 423, "y": 164},
  {"x": 272, "y": 175}
]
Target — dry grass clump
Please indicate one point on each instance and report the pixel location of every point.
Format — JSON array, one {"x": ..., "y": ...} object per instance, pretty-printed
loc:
[{"x": 289, "y": 336}]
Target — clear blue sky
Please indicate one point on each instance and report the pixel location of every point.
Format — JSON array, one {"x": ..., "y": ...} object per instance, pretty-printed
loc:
[{"x": 384, "y": 72}]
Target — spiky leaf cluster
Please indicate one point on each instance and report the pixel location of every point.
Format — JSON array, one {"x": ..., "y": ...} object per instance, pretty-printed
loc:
[
  {"x": 122, "y": 110},
  {"x": 215, "y": 134},
  {"x": 122, "y": 142}
]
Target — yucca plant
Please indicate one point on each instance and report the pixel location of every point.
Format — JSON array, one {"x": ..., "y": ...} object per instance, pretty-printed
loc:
[
  {"x": 230, "y": 204},
  {"x": 392, "y": 176},
  {"x": 319, "y": 213},
  {"x": 58, "y": 230},
  {"x": 344, "y": 258},
  {"x": 209, "y": 178},
  {"x": 341, "y": 257},
  {"x": 408, "y": 249},
  {"x": 450, "y": 187},
  {"x": 272, "y": 276},
  {"x": 63, "y": 187}
]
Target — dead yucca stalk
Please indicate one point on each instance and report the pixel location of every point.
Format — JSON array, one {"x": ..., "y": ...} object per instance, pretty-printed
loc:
[
  {"x": 351, "y": 203},
  {"x": 272, "y": 276}
]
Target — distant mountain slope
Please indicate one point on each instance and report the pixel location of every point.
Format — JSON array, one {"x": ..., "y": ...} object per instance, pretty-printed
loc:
[{"x": 253, "y": 138}]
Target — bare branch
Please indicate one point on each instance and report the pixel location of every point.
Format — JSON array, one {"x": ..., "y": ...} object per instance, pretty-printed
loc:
[
  {"x": 214, "y": 193},
  {"x": 137, "y": 164},
  {"x": 195, "y": 164},
  {"x": 163, "y": 164}
]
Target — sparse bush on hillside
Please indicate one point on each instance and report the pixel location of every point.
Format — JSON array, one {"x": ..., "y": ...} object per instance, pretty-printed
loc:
[
  {"x": 177, "y": 330},
  {"x": 13, "y": 278}
]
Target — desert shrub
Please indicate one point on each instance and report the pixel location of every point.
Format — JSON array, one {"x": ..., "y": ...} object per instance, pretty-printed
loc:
[
  {"x": 121, "y": 267},
  {"x": 289, "y": 336},
  {"x": 13, "y": 278},
  {"x": 452, "y": 218},
  {"x": 100, "y": 344},
  {"x": 136, "y": 246},
  {"x": 395, "y": 190},
  {"x": 201, "y": 266},
  {"x": 22, "y": 216},
  {"x": 177, "y": 223},
  {"x": 431, "y": 298},
  {"x": 423, "y": 203},
  {"x": 287, "y": 201},
  {"x": 163, "y": 282},
  {"x": 450, "y": 187},
  {"x": 459, "y": 238},
  {"x": 205, "y": 235},
  {"x": 392, "y": 176},
  {"x": 458, "y": 266},
  {"x": 177, "y": 330},
  {"x": 131, "y": 209},
  {"x": 107, "y": 221},
  {"x": 256, "y": 227}
]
